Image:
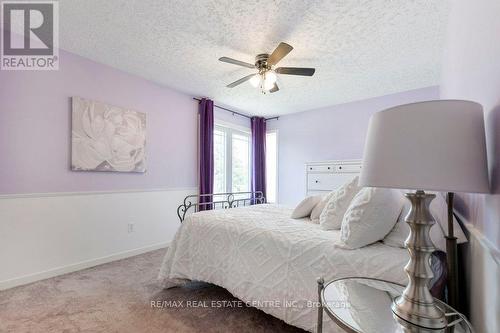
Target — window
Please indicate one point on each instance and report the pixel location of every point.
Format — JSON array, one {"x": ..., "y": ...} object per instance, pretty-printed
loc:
[
  {"x": 219, "y": 160},
  {"x": 241, "y": 165},
  {"x": 232, "y": 161},
  {"x": 272, "y": 166},
  {"x": 232, "y": 149}
]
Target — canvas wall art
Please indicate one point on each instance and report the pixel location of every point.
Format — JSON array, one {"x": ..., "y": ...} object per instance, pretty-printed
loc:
[{"x": 107, "y": 138}]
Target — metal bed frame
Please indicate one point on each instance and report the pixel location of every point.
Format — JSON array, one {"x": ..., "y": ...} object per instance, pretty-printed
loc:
[{"x": 219, "y": 201}]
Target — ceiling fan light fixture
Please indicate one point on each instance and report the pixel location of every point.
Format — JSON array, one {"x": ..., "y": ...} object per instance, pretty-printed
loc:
[
  {"x": 255, "y": 80},
  {"x": 270, "y": 78},
  {"x": 268, "y": 84},
  {"x": 266, "y": 78}
]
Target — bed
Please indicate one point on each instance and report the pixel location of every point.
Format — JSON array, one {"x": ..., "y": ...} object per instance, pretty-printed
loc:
[
  {"x": 265, "y": 258},
  {"x": 271, "y": 261}
]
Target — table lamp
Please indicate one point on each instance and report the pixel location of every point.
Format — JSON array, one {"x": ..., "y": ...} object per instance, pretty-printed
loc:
[{"x": 434, "y": 145}]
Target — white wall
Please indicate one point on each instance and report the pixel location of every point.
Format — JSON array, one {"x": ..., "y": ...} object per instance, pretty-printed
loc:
[
  {"x": 43, "y": 235},
  {"x": 471, "y": 70}
]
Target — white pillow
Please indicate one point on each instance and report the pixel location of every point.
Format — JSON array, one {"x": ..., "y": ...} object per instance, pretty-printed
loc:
[
  {"x": 439, "y": 210},
  {"x": 316, "y": 212},
  {"x": 305, "y": 207},
  {"x": 333, "y": 213},
  {"x": 370, "y": 216}
]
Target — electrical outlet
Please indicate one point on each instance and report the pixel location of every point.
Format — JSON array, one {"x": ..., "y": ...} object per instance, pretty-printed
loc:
[{"x": 130, "y": 228}]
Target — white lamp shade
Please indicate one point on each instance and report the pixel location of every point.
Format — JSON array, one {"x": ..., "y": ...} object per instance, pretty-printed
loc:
[{"x": 435, "y": 145}]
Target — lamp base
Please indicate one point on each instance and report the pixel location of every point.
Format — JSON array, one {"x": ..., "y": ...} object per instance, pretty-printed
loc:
[
  {"x": 416, "y": 305},
  {"x": 423, "y": 315}
]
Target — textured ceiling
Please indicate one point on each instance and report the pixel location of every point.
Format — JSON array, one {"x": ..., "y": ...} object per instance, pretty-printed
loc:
[{"x": 360, "y": 49}]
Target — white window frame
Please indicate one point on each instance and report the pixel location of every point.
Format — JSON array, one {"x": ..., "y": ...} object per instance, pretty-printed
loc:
[
  {"x": 277, "y": 162},
  {"x": 229, "y": 130}
]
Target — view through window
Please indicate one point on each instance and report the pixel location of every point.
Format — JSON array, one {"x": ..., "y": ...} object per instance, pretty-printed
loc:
[
  {"x": 219, "y": 160},
  {"x": 232, "y": 149},
  {"x": 232, "y": 161},
  {"x": 272, "y": 166}
]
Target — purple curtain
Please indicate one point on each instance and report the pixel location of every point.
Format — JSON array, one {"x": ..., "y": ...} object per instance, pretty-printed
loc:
[
  {"x": 259, "y": 154},
  {"x": 206, "y": 144}
]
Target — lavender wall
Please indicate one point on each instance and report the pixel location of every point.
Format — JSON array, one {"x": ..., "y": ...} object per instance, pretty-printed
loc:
[
  {"x": 228, "y": 117},
  {"x": 35, "y": 127},
  {"x": 332, "y": 133},
  {"x": 471, "y": 70}
]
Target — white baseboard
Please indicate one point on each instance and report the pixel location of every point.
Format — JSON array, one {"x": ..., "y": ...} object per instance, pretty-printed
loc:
[{"x": 77, "y": 266}]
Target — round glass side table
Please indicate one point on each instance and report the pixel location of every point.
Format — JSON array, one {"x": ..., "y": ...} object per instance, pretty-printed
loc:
[{"x": 363, "y": 305}]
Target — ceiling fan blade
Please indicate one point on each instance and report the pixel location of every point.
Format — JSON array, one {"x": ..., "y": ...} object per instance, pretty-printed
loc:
[
  {"x": 295, "y": 71},
  {"x": 240, "y": 81},
  {"x": 279, "y": 53},
  {"x": 274, "y": 88},
  {"x": 236, "y": 62}
]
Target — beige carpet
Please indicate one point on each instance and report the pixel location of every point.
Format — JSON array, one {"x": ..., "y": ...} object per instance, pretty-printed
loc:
[{"x": 116, "y": 297}]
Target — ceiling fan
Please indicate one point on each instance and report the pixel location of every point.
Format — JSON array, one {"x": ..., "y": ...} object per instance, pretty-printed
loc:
[{"x": 266, "y": 76}]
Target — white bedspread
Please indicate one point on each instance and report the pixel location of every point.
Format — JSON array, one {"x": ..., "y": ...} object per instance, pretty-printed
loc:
[{"x": 264, "y": 257}]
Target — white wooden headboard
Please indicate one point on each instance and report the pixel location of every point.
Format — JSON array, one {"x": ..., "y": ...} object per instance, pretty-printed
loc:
[{"x": 326, "y": 176}]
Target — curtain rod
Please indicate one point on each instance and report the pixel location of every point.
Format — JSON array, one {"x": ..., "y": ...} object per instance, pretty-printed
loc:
[{"x": 234, "y": 112}]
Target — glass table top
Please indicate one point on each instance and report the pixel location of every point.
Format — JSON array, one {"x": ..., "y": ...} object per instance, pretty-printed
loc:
[{"x": 364, "y": 305}]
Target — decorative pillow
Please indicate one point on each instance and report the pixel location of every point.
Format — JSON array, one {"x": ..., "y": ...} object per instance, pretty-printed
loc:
[
  {"x": 315, "y": 221},
  {"x": 401, "y": 230},
  {"x": 316, "y": 212},
  {"x": 370, "y": 216},
  {"x": 305, "y": 207},
  {"x": 333, "y": 213},
  {"x": 439, "y": 210}
]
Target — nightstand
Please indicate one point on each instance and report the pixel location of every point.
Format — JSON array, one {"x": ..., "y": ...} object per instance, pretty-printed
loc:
[{"x": 363, "y": 305}]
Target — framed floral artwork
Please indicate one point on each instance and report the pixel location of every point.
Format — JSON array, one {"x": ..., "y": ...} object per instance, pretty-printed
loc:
[{"x": 107, "y": 138}]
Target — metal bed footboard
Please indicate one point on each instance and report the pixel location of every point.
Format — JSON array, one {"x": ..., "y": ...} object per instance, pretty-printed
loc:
[{"x": 218, "y": 201}]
